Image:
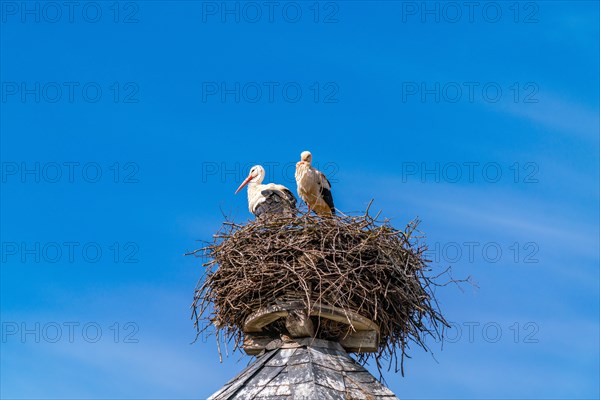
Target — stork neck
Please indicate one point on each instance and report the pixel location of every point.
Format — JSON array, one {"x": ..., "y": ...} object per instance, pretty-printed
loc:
[
  {"x": 304, "y": 165},
  {"x": 304, "y": 168},
  {"x": 252, "y": 188}
]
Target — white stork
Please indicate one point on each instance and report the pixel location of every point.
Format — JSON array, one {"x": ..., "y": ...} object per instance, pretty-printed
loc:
[
  {"x": 267, "y": 199},
  {"x": 313, "y": 186}
]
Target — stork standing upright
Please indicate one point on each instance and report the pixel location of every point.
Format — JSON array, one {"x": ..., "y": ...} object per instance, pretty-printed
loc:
[
  {"x": 313, "y": 186},
  {"x": 270, "y": 198}
]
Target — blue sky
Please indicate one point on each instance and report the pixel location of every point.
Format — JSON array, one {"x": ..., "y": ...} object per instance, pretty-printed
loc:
[{"x": 127, "y": 126}]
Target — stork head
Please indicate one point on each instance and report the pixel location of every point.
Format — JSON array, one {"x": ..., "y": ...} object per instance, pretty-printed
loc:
[
  {"x": 306, "y": 156},
  {"x": 256, "y": 175}
]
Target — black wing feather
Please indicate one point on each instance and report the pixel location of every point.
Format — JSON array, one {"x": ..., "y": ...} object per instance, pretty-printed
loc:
[
  {"x": 326, "y": 194},
  {"x": 290, "y": 196},
  {"x": 276, "y": 202}
]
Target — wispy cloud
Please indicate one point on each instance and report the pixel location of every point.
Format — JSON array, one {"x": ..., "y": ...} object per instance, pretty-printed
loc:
[
  {"x": 503, "y": 211},
  {"x": 560, "y": 114}
]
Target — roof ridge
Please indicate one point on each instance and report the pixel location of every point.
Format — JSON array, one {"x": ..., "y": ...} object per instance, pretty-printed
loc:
[{"x": 316, "y": 369}]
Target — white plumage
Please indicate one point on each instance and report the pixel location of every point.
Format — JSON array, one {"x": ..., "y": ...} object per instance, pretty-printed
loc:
[
  {"x": 313, "y": 186},
  {"x": 269, "y": 198}
]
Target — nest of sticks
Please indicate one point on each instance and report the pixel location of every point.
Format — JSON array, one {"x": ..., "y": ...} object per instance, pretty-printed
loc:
[{"x": 358, "y": 264}]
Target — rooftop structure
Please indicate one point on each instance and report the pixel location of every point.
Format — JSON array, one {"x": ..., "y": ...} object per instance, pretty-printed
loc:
[{"x": 304, "y": 369}]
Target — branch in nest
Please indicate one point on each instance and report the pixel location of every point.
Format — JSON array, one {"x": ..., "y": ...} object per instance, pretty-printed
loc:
[{"x": 353, "y": 263}]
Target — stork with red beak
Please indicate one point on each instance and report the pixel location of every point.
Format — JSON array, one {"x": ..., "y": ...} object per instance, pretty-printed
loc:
[
  {"x": 267, "y": 199},
  {"x": 313, "y": 186}
]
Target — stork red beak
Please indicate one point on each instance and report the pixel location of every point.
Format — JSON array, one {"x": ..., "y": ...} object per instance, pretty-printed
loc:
[{"x": 248, "y": 179}]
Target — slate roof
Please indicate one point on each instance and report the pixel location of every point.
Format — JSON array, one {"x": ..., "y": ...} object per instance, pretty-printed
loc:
[{"x": 309, "y": 369}]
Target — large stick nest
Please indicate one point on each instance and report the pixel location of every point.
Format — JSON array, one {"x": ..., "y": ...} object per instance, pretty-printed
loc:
[{"x": 354, "y": 263}]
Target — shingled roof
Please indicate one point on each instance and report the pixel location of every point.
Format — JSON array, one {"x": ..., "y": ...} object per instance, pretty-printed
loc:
[{"x": 304, "y": 369}]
